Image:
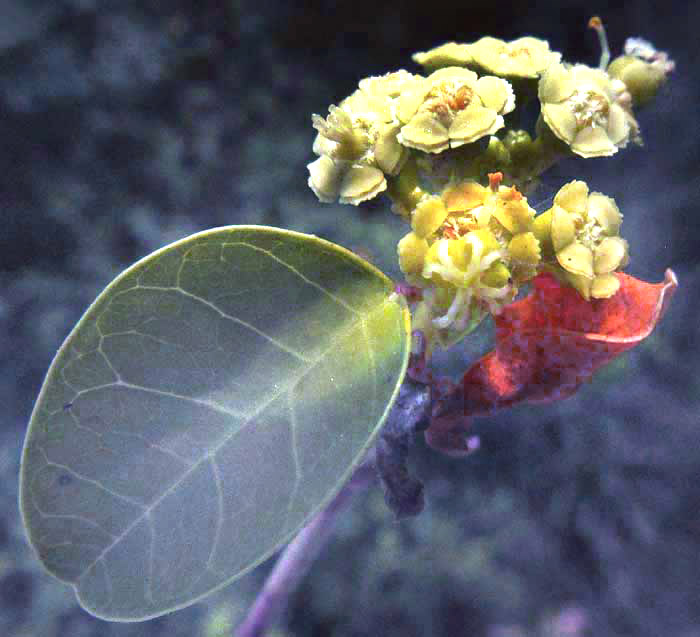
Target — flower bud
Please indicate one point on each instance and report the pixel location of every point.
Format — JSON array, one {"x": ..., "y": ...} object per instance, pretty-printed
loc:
[
  {"x": 412, "y": 250},
  {"x": 642, "y": 79},
  {"x": 642, "y": 69}
]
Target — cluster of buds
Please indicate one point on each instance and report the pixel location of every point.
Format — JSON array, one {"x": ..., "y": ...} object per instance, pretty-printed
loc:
[{"x": 442, "y": 147}]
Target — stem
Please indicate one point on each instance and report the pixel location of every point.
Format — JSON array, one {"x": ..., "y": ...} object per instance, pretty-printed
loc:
[
  {"x": 545, "y": 151},
  {"x": 297, "y": 558}
]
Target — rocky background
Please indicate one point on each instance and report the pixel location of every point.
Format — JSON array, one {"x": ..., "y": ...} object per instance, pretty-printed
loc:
[{"x": 126, "y": 125}]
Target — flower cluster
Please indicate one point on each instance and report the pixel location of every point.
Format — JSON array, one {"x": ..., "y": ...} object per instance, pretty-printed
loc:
[
  {"x": 357, "y": 142},
  {"x": 469, "y": 249},
  {"x": 367, "y": 136},
  {"x": 443, "y": 147}
]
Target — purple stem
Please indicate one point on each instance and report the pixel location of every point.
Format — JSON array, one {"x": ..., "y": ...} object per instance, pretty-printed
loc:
[{"x": 297, "y": 558}]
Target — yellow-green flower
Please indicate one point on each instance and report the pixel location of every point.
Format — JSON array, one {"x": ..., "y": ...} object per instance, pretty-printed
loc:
[
  {"x": 363, "y": 130},
  {"x": 469, "y": 249},
  {"x": 579, "y": 105},
  {"x": 452, "y": 107},
  {"x": 357, "y": 141},
  {"x": 448, "y": 54},
  {"x": 388, "y": 85},
  {"x": 526, "y": 57},
  {"x": 585, "y": 239}
]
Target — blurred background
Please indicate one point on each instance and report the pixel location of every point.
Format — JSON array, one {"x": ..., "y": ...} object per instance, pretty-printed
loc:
[{"x": 126, "y": 125}]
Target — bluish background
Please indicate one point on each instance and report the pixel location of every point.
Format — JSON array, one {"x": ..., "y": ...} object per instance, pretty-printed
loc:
[{"x": 127, "y": 125}]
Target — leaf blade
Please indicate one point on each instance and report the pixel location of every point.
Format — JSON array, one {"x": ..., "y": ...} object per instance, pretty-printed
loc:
[{"x": 150, "y": 416}]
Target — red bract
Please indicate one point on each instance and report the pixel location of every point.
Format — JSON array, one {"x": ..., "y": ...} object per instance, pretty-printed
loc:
[{"x": 547, "y": 344}]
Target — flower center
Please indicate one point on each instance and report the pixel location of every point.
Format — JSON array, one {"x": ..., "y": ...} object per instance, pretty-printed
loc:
[
  {"x": 446, "y": 98},
  {"x": 508, "y": 52},
  {"x": 589, "y": 107}
]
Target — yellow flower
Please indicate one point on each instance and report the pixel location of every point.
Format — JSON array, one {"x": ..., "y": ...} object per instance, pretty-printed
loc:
[
  {"x": 580, "y": 106},
  {"x": 525, "y": 57},
  {"x": 452, "y": 107},
  {"x": 585, "y": 239},
  {"x": 507, "y": 215},
  {"x": 464, "y": 271}
]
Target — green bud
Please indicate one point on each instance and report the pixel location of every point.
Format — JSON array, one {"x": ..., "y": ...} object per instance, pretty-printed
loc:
[
  {"x": 496, "y": 276},
  {"x": 542, "y": 229},
  {"x": 642, "y": 79},
  {"x": 518, "y": 143}
]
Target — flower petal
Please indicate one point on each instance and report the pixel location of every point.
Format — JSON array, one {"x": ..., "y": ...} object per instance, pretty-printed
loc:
[
  {"x": 473, "y": 123},
  {"x": 408, "y": 103},
  {"x": 577, "y": 259},
  {"x": 605, "y": 286},
  {"x": 464, "y": 197},
  {"x": 388, "y": 153},
  {"x": 561, "y": 121},
  {"x": 582, "y": 284},
  {"x": 605, "y": 211},
  {"x": 361, "y": 183},
  {"x": 524, "y": 248},
  {"x": 618, "y": 125},
  {"x": 425, "y": 133},
  {"x": 514, "y": 215},
  {"x": 563, "y": 229},
  {"x": 555, "y": 85},
  {"x": 325, "y": 176},
  {"x": 448, "y": 54},
  {"x": 388, "y": 85},
  {"x": 573, "y": 197},
  {"x": 593, "y": 141},
  {"x": 609, "y": 254},
  {"x": 452, "y": 73},
  {"x": 496, "y": 93},
  {"x": 595, "y": 78},
  {"x": 412, "y": 250},
  {"x": 428, "y": 216},
  {"x": 324, "y": 146}
]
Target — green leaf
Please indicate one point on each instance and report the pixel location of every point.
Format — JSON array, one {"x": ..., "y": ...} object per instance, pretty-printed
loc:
[{"x": 214, "y": 397}]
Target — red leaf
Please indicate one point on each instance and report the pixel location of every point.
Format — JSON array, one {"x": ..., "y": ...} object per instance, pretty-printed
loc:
[{"x": 547, "y": 344}]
